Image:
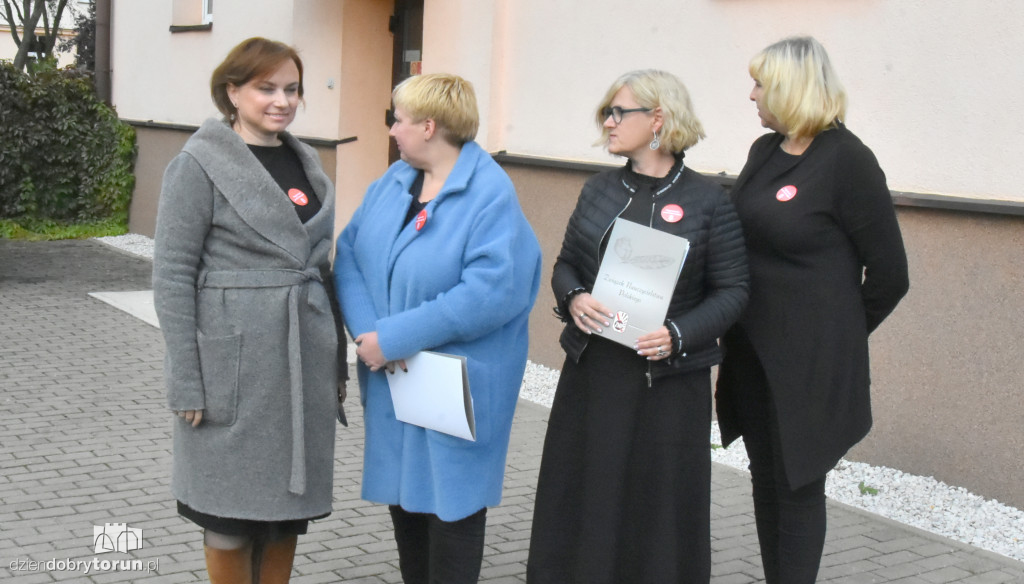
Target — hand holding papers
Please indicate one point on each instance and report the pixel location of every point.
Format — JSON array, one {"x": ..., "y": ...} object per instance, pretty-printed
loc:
[
  {"x": 434, "y": 394},
  {"x": 637, "y": 277}
]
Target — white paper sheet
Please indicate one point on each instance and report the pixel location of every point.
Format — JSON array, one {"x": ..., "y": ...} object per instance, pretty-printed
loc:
[{"x": 434, "y": 394}]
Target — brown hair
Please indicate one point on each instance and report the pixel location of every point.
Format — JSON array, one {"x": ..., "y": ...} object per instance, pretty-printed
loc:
[{"x": 250, "y": 59}]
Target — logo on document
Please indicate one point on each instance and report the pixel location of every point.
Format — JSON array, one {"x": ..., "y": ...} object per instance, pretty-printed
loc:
[{"x": 619, "y": 324}]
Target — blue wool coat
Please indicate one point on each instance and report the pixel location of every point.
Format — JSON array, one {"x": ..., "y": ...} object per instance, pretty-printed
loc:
[{"x": 464, "y": 283}]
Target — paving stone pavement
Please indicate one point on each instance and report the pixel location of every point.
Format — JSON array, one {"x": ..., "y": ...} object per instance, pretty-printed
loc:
[{"x": 85, "y": 441}]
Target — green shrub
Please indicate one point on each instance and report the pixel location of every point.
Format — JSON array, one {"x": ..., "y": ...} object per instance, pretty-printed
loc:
[{"x": 64, "y": 155}]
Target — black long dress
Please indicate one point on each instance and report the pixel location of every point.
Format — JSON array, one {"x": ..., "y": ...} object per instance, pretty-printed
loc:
[
  {"x": 624, "y": 491},
  {"x": 624, "y": 488}
]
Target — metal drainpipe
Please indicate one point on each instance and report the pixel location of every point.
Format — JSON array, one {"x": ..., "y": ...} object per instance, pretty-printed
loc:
[{"x": 102, "y": 72}]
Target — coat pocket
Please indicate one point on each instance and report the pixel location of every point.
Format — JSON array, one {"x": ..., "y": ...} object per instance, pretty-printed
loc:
[{"x": 219, "y": 360}]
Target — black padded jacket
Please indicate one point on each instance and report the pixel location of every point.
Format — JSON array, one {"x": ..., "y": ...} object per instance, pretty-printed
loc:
[{"x": 713, "y": 287}]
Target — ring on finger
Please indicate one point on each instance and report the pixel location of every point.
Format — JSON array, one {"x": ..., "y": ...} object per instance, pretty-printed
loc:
[
  {"x": 661, "y": 353},
  {"x": 583, "y": 315}
]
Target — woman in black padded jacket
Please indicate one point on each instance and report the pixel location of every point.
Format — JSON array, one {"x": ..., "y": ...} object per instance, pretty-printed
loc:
[{"x": 624, "y": 487}]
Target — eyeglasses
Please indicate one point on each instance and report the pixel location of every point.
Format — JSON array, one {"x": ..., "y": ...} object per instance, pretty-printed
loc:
[{"x": 617, "y": 112}]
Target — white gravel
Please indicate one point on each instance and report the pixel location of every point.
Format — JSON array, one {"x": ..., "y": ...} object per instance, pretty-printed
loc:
[
  {"x": 132, "y": 243},
  {"x": 922, "y": 502}
]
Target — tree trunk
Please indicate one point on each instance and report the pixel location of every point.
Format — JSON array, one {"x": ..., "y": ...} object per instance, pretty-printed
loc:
[
  {"x": 28, "y": 33},
  {"x": 53, "y": 32}
]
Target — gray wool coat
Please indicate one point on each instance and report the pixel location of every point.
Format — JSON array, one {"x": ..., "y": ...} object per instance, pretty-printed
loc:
[{"x": 239, "y": 286}]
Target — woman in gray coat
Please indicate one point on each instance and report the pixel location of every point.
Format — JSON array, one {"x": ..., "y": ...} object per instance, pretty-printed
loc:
[{"x": 240, "y": 272}]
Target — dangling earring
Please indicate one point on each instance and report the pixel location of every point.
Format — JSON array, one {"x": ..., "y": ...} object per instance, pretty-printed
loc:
[
  {"x": 232, "y": 118},
  {"x": 234, "y": 105},
  {"x": 656, "y": 142}
]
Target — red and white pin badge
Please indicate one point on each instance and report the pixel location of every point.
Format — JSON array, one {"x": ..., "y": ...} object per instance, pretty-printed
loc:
[
  {"x": 786, "y": 193},
  {"x": 421, "y": 219},
  {"x": 619, "y": 324},
  {"x": 298, "y": 197},
  {"x": 672, "y": 213}
]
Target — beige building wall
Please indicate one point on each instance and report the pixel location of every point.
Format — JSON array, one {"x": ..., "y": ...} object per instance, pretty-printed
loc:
[
  {"x": 467, "y": 37},
  {"x": 163, "y": 77},
  {"x": 365, "y": 96},
  {"x": 931, "y": 84}
]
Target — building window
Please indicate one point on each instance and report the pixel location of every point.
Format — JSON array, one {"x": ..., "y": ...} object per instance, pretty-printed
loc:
[{"x": 191, "y": 15}]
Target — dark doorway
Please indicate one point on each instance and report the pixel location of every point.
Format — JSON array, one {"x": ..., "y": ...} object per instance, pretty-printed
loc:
[{"x": 407, "y": 29}]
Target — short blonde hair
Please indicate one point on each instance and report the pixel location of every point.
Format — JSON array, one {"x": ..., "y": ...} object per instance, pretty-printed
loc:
[
  {"x": 801, "y": 89},
  {"x": 652, "y": 89},
  {"x": 447, "y": 99}
]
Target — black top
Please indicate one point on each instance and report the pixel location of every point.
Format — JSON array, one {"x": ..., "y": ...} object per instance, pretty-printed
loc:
[
  {"x": 642, "y": 202},
  {"x": 415, "y": 190},
  {"x": 286, "y": 169},
  {"x": 645, "y": 190},
  {"x": 778, "y": 162}
]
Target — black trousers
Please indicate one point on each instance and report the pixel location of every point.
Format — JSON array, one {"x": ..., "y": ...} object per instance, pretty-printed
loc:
[
  {"x": 432, "y": 551},
  {"x": 790, "y": 522}
]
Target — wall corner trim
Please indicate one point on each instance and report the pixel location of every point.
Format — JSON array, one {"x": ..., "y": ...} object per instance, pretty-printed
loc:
[
  {"x": 191, "y": 27},
  {"x": 899, "y": 198},
  {"x": 954, "y": 203},
  {"x": 318, "y": 142}
]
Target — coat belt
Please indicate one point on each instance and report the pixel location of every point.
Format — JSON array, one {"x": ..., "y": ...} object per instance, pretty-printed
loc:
[{"x": 280, "y": 278}]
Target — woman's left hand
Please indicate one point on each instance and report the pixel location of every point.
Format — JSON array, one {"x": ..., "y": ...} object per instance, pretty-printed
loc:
[
  {"x": 369, "y": 352},
  {"x": 655, "y": 346}
]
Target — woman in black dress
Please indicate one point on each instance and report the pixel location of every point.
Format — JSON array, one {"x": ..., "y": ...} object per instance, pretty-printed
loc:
[
  {"x": 624, "y": 487},
  {"x": 827, "y": 265}
]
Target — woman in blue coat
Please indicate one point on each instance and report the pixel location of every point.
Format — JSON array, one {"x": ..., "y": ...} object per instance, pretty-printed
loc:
[{"x": 438, "y": 257}]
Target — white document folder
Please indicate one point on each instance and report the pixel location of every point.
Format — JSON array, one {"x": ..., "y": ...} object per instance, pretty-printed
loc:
[
  {"x": 637, "y": 278},
  {"x": 434, "y": 394}
]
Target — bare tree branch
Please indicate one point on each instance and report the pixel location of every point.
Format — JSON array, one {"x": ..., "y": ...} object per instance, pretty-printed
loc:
[
  {"x": 11, "y": 22},
  {"x": 21, "y": 12},
  {"x": 52, "y": 32},
  {"x": 29, "y": 28},
  {"x": 27, "y": 17}
]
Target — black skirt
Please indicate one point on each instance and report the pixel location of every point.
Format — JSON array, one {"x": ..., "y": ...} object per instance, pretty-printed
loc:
[
  {"x": 262, "y": 530},
  {"x": 624, "y": 493}
]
